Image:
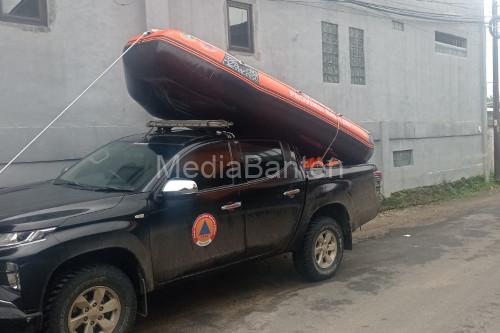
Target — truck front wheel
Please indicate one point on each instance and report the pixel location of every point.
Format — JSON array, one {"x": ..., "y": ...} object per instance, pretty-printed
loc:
[
  {"x": 322, "y": 250},
  {"x": 93, "y": 299}
]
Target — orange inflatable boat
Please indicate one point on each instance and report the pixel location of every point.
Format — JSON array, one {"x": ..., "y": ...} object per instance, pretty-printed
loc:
[{"x": 174, "y": 75}]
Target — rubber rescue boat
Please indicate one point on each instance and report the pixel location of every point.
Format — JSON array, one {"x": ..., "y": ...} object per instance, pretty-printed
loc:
[{"x": 174, "y": 75}]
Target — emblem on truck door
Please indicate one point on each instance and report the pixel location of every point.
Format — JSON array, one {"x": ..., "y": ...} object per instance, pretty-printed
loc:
[{"x": 204, "y": 229}]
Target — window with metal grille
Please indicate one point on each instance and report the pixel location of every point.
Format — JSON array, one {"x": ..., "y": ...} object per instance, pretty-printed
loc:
[
  {"x": 450, "y": 44},
  {"x": 399, "y": 26},
  {"x": 357, "y": 55},
  {"x": 32, "y": 12},
  {"x": 330, "y": 40},
  {"x": 402, "y": 158},
  {"x": 240, "y": 29},
  {"x": 452, "y": 40}
]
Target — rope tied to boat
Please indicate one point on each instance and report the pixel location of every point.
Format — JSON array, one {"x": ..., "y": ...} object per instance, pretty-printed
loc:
[
  {"x": 339, "y": 119},
  {"x": 144, "y": 34}
]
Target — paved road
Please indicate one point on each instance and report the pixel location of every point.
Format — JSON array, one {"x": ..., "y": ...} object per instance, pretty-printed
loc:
[{"x": 427, "y": 269}]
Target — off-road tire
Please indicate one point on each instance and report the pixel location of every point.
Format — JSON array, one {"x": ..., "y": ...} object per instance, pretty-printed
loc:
[
  {"x": 72, "y": 283},
  {"x": 305, "y": 258}
]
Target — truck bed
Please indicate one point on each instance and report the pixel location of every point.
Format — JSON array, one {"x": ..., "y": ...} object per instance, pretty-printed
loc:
[{"x": 355, "y": 187}]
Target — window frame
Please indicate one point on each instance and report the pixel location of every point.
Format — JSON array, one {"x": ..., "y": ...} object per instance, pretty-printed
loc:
[
  {"x": 264, "y": 178},
  {"x": 351, "y": 56},
  {"x": 455, "y": 45},
  {"x": 190, "y": 150},
  {"x": 41, "y": 21},
  {"x": 460, "y": 40},
  {"x": 336, "y": 62},
  {"x": 398, "y": 26},
  {"x": 397, "y": 162},
  {"x": 249, "y": 9}
]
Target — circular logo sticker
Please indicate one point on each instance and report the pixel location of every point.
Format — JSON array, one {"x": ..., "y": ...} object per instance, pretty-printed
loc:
[{"x": 204, "y": 229}]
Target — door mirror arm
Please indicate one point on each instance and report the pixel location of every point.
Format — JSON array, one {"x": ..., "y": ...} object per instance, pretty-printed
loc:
[{"x": 158, "y": 196}]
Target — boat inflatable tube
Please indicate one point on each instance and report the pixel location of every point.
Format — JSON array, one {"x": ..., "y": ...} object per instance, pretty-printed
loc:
[{"x": 174, "y": 75}]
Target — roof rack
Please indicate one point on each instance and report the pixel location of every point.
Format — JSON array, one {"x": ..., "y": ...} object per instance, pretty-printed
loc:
[
  {"x": 162, "y": 127},
  {"x": 215, "y": 124}
]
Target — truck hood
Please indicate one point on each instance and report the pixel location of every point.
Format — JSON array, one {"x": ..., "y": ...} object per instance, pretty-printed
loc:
[{"x": 45, "y": 205}]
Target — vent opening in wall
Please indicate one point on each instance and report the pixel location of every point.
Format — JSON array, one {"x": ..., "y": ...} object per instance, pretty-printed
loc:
[
  {"x": 399, "y": 26},
  {"x": 402, "y": 158}
]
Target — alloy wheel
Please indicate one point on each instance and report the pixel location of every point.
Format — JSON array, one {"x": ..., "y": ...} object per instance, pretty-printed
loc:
[
  {"x": 96, "y": 310},
  {"x": 325, "y": 250}
]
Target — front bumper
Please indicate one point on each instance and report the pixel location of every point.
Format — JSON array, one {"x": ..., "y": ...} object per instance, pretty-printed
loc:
[{"x": 12, "y": 319}]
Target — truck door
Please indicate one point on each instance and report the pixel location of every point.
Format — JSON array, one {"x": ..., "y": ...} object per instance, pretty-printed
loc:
[
  {"x": 193, "y": 232},
  {"x": 272, "y": 193}
]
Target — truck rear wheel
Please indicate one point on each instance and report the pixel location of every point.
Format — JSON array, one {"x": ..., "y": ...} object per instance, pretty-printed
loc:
[
  {"x": 322, "y": 250},
  {"x": 93, "y": 299}
]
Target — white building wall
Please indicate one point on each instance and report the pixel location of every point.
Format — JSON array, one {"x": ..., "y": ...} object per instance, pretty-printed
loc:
[
  {"x": 428, "y": 101},
  {"x": 414, "y": 98},
  {"x": 43, "y": 69}
]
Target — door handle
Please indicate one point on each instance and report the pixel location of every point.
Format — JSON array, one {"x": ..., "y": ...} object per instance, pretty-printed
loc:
[
  {"x": 231, "y": 206},
  {"x": 291, "y": 193}
]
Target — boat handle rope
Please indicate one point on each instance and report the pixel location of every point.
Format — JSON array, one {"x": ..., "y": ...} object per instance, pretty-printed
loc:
[{"x": 144, "y": 34}]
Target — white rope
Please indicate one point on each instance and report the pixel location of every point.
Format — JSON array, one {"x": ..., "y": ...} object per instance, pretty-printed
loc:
[
  {"x": 73, "y": 102},
  {"x": 339, "y": 116}
]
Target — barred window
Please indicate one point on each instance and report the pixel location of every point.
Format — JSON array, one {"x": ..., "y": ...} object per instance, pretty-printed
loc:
[
  {"x": 357, "y": 56},
  {"x": 450, "y": 44},
  {"x": 32, "y": 12},
  {"x": 452, "y": 40},
  {"x": 330, "y": 39},
  {"x": 399, "y": 26}
]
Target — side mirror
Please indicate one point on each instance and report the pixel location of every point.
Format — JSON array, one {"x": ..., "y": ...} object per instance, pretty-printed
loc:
[{"x": 179, "y": 187}]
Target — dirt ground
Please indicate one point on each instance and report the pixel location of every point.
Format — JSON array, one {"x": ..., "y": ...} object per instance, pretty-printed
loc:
[{"x": 427, "y": 214}]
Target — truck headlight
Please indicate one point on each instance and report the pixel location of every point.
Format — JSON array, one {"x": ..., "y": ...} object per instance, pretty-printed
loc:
[{"x": 15, "y": 239}]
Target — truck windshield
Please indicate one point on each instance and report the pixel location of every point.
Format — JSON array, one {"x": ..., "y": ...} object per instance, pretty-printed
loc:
[{"x": 119, "y": 166}]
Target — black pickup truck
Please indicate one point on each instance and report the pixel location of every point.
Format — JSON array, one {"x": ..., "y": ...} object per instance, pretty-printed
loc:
[{"x": 81, "y": 253}]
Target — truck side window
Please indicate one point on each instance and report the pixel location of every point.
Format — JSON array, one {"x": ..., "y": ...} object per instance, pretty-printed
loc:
[
  {"x": 207, "y": 165},
  {"x": 261, "y": 159}
]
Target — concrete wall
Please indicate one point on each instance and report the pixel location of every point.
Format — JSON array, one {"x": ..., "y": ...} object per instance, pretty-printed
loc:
[
  {"x": 414, "y": 98},
  {"x": 43, "y": 69},
  {"x": 427, "y": 101}
]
